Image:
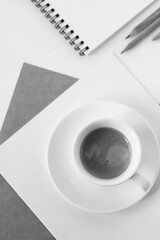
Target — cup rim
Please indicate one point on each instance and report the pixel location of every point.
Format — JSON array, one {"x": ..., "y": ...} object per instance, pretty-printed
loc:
[{"x": 130, "y": 135}]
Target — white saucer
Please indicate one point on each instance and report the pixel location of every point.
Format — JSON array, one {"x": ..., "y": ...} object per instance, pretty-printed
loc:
[{"x": 79, "y": 191}]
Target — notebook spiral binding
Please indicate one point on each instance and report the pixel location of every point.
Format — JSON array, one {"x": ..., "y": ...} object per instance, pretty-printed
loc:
[{"x": 60, "y": 25}]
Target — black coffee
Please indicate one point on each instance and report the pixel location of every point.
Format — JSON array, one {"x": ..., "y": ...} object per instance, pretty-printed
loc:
[{"x": 105, "y": 153}]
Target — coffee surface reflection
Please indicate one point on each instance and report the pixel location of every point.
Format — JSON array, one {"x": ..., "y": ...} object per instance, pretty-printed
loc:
[{"x": 105, "y": 153}]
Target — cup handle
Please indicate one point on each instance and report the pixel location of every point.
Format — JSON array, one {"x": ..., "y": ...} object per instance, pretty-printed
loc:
[{"x": 142, "y": 182}]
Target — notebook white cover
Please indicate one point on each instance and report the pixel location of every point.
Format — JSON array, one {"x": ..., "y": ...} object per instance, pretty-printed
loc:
[
  {"x": 23, "y": 163},
  {"x": 95, "y": 21}
]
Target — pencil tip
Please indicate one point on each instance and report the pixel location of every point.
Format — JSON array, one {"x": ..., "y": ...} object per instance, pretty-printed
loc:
[
  {"x": 128, "y": 36},
  {"x": 122, "y": 51},
  {"x": 154, "y": 39}
]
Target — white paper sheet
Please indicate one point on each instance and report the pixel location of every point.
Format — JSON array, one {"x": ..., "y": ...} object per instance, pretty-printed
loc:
[{"x": 23, "y": 162}]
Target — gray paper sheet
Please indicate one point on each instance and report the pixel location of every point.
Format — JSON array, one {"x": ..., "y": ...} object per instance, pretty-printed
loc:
[{"x": 36, "y": 89}]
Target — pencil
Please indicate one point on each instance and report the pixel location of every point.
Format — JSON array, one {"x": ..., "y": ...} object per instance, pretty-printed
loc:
[
  {"x": 156, "y": 37},
  {"x": 143, "y": 25},
  {"x": 143, "y": 35}
]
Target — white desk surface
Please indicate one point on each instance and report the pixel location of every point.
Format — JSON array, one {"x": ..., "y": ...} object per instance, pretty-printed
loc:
[{"x": 28, "y": 37}]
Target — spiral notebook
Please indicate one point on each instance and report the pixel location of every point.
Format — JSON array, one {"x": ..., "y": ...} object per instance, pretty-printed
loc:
[{"x": 87, "y": 23}]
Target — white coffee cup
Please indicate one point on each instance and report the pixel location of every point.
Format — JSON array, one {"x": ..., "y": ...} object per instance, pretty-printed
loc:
[{"x": 130, "y": 139}]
